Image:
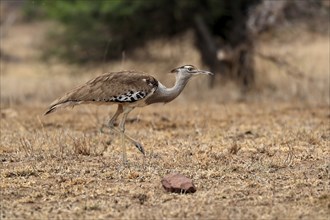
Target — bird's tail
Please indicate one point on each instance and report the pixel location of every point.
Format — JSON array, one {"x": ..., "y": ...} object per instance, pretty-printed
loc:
[
  {"x": 71, "y": 98},
  {"x": 54, "y": 107},
  {"x": 50, "y": 110}
]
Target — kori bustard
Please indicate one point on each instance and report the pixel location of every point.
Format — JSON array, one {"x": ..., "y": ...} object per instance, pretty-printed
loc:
[{"x": 127, "y": 89}]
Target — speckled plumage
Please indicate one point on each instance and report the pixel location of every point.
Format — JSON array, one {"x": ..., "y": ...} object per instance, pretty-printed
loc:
[{"x": 125, "y": 87}]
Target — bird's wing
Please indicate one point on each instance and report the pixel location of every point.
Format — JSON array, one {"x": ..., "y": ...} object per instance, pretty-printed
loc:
[{"x": 125, "y": 86}]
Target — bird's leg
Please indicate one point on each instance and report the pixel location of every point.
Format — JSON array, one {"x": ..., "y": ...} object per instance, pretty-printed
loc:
[
  {"x": 130, "y": 139},
  {"x": 111, "y": 123},
  {"x": 122, "y": 126},
  {"x": 122, "y": 129},
  {"x": 123, "y": 146}
]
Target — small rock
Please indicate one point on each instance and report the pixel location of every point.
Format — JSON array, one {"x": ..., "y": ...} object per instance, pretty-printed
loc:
[{"x": 178, "y": 183}]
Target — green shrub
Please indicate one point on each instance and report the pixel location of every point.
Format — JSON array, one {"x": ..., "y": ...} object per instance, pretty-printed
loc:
[{"x": 103, "y": 29}]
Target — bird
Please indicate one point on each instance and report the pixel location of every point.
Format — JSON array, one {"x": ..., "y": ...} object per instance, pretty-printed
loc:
[{"x": 128, "y": 89}]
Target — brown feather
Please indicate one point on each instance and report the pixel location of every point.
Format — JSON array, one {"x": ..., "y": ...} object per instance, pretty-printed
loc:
[{"x": 104, "y": 87}]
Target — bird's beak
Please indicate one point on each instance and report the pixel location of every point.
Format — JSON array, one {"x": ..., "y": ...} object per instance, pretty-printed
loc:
[{"x": 204, "y": 72}]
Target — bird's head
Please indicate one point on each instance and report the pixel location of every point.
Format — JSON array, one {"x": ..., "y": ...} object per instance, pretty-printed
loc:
[{"x": 190, "y": 70}]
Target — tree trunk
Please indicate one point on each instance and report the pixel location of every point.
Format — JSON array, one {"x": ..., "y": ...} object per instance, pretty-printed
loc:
[{"x": 232, "y": 62}]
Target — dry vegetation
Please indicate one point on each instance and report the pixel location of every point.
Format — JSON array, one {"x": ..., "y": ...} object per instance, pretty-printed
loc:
[{"x": 264, "y": 155}]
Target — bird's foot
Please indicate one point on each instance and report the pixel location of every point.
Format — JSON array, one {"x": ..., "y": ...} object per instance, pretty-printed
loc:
[
  {"x": 102, "y": 129},
  {"x": 105, "y": 129},
  {"x": 139, "y": 147}
]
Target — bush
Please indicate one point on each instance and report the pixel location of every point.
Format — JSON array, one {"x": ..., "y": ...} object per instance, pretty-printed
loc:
[{"x": 93, "y": 28}]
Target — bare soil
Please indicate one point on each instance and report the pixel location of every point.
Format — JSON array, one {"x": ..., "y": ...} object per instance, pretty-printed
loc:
[{"x": 247, "y": 161}]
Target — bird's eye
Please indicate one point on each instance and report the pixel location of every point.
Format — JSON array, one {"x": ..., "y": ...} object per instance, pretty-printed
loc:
[{"x": 190, "y": 69}]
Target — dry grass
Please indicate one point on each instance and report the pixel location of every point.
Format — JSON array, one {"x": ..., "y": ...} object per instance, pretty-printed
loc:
[
  {"x": 248, "y": 161},
  {"x": 265, "y": 158}
]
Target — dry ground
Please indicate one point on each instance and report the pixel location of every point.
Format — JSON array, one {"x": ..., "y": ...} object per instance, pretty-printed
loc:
[
  {"x": 265, "y": 156},
  {"x": 247, "y": 161}
]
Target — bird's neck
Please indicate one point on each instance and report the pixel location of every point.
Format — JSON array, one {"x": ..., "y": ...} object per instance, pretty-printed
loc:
[
  {"x": 164, "y": 94},
  {"x": 180, "y": 83}
]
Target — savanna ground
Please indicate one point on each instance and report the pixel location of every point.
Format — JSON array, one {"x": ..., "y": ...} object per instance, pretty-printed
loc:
[{"x": 260, "y": 155}]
